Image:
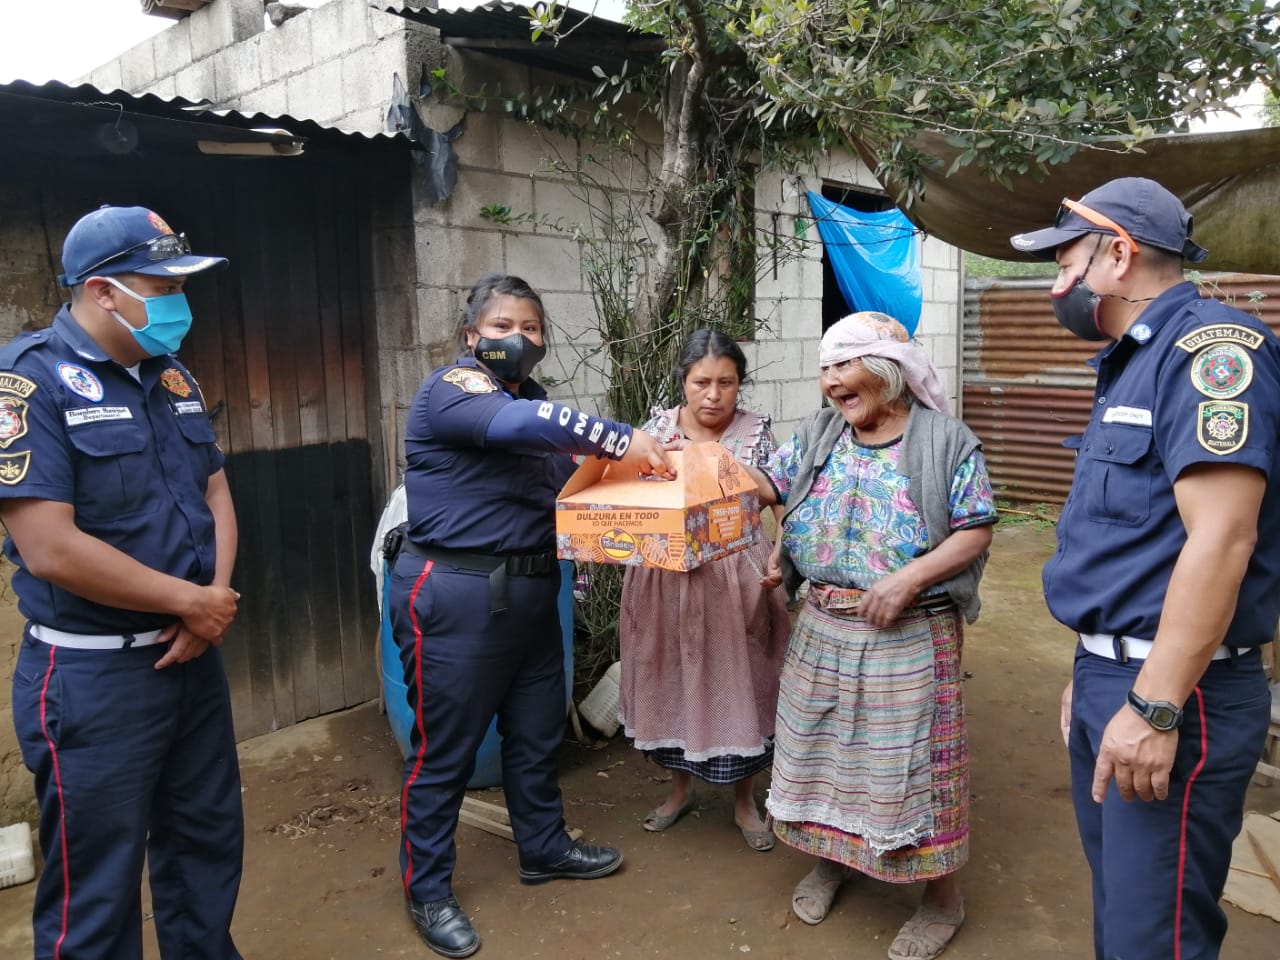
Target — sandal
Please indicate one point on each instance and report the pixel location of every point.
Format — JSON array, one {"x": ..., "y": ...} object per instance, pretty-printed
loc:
[
  {"x": 915, "y": 942},
  {"x": 656, "y": 822},
  {"x": 758, "y": 840},
  {"x": 812, "y": 898}
]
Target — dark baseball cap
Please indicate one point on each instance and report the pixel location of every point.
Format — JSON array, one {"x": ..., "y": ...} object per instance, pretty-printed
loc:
[
  {"x": 1145, "y": 210},
  {"x": 115, "y": 240}
]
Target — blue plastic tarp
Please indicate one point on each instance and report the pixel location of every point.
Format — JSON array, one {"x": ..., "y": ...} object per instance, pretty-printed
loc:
[{"x": 876, "y": 259}]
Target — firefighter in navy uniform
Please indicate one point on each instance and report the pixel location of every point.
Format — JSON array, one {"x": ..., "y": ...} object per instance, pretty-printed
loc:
[
  {"x": 1167, "y": 568},
  {"x": 473, "y": 600},
  {"x": 123, "y": 533}
]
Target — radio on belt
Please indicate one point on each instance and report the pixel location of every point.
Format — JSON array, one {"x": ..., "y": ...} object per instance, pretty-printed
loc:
[{"x": 608, "y": 514}]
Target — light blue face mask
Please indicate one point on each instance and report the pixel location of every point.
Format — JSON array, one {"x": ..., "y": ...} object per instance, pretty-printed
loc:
[{"x": 168, "y": 320}]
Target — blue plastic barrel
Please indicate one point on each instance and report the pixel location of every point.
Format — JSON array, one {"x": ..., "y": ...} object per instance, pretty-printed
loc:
[{"x": 396, "y": 696}]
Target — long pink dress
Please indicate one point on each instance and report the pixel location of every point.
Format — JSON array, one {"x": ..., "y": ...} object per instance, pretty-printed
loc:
[{"x": 702, "y": 651}]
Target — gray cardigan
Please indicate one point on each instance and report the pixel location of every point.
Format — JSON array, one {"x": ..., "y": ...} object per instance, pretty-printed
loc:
[{"x": 933, "y": 448}]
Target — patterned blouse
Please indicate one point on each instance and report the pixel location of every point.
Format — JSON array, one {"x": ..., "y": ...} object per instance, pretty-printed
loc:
[
  {"x": 858, "y": 523},
  {"x": 747, "y": 436}
]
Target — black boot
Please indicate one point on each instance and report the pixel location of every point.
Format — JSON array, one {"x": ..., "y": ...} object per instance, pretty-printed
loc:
[
  {"x": 445, "y": 927},
  {"x": 584, "y": 861}
]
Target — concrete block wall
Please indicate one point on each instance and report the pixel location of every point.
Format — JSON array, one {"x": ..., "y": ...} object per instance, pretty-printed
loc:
[
  {"x": 333, "y": 64},
  {"x": 503, "y": 162}
]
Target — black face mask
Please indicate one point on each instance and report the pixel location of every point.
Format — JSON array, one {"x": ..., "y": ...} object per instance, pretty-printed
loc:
[
  {"x": 510, "y": 359},
  {"x": 1077, "y": 309}
]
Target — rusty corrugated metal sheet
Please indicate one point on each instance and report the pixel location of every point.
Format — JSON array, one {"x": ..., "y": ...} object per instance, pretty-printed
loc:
[{"x": 1026, "y": 386}]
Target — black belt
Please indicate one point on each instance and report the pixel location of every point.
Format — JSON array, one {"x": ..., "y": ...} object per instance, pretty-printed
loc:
[{"x": 498, "y": 566}]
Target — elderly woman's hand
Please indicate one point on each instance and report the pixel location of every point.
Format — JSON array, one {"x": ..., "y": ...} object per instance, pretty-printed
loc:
[{"x": 884, "y": 602}]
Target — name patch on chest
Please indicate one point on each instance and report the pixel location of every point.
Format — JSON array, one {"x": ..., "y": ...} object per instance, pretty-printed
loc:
[
  {"x": 188, "y": 406},
  {"x": 79, "y": 416},
  {"x": 1136, "y": 416}
]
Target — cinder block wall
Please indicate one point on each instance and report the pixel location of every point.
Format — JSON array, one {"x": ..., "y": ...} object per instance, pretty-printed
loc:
[
  {"x": 332, "y": 64},
  {"x": 503, "y": 161},
  {"x": 335, "y": 65}
]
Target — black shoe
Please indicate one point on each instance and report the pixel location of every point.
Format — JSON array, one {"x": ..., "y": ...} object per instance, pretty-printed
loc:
[
  {"x": 584, "y": 861},
  {"x": 445, "y": 927}
]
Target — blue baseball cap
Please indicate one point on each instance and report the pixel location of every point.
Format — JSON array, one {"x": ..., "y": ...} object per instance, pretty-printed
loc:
[
  {"x": 1143, "y": 208},
  {"x": 115, "y": 240}
]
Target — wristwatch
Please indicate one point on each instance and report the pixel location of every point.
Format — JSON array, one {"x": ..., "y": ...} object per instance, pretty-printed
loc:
[{"x": 1161, "y": 714}]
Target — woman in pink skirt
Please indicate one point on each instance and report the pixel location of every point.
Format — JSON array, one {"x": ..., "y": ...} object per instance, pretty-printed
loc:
[{"x": 702, "y": 651}]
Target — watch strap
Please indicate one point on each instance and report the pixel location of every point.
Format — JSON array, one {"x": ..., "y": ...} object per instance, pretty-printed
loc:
[{"x": 1161, "y": 714}]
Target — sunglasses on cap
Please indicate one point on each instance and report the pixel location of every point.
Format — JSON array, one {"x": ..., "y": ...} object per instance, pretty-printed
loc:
[
  {"x": 164, "y": 247},
  {"x": 1094, "y": 217}
]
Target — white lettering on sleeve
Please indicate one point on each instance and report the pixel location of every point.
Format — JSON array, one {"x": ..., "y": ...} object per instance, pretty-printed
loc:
[
  {"x": 623, "y": 444},
  {"x": 597, "y": 428},
  {"x": 581, "y": 425},
  {"x": 566, "y": 414},
  {"x": 545, "y": 408},
  {"x": 609, "y": 441}
]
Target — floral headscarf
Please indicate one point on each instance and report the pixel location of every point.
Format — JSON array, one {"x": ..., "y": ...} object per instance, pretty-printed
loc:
[{"x": 874, "y": 334}]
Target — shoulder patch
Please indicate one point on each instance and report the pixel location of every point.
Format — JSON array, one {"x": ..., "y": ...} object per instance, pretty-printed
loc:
[
  {"x": 470, "y": 381},
  {"x": 1223, "y": 426},
  {"x": 13, "y": 467},
  {"x": 12, "y": 383},
  {"x": 1234, "y": 332},
  {"x": 13, "y": 419},
  {"x": 1222, "y": 370}
]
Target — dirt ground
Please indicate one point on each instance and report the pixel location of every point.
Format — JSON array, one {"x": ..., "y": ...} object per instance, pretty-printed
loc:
[{"x": 321, "y": 799}]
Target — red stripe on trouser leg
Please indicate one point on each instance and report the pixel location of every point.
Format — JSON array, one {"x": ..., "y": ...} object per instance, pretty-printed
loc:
[
  {"x": 1182, "y": 832},
  {"x": 417, "y": 719},
  {"x": 62, "y": 806}
]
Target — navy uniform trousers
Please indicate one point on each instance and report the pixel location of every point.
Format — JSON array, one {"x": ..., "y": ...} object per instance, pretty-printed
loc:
[
  {"x": 130, "y": 760},
  {"x": 1159, "y": 868},
  {"x": 462, "y": 665}
]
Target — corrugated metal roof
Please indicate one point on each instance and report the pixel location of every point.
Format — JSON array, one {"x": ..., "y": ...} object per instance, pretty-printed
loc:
[
  {"x": 502, "y": 30},
  {"x": 179, "y": 110}
]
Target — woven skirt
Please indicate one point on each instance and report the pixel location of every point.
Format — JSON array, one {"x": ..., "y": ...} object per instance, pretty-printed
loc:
[{"x": 871, "y": 763}]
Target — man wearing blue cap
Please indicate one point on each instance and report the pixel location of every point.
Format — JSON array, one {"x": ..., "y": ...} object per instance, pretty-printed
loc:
[
  {"x": 123, "y": 533},
  {"x": 1167, "y": 568}
]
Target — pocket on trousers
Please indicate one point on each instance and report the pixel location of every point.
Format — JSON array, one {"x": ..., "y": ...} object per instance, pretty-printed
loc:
[{"x": 38, "y": 702}]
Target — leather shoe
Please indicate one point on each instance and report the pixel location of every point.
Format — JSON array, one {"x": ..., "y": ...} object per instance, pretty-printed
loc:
[
  {"x": 584, "y": 861},
  {"x": 445, "y": 927}
]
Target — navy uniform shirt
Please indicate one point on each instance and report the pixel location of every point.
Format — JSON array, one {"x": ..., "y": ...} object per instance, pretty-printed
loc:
[
  {"x": 468, "y": 490},
  {"x": 133, "y": 458},
  {"x": 1192, "y": 381}
]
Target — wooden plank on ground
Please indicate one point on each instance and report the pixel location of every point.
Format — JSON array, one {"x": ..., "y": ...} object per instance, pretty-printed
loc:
[
  {"x": 493, "y": 818},
  {"x": 1251, "y": 882}
]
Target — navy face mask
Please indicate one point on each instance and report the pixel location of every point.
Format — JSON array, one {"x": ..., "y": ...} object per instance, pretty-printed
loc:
[{"x": 510, "y": 359}]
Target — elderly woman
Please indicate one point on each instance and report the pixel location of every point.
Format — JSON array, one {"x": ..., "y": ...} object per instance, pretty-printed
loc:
[
  {"x": 701, "y": 651},
  {"x": 888, "y": 516}
]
